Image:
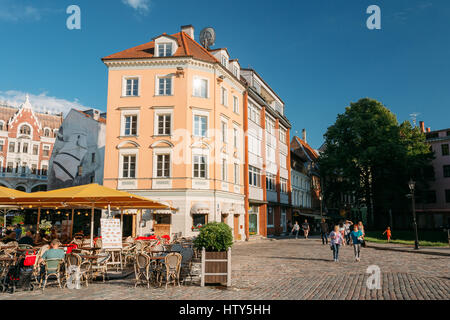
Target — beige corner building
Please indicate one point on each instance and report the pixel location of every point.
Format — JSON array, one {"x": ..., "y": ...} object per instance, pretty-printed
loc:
[{"x": 175, "y": 132}]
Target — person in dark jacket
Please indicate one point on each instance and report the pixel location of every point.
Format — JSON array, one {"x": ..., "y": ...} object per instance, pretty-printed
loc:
[
  {"x": 10, "y": 237},
  {"x": 324, "y": 231},
  {"x": 28, "y": 238}
]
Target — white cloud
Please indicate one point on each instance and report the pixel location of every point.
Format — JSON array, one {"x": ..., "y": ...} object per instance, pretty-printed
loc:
[
  {"x": 142, "y": 6},
  {"x": 10, "y": 11},
  {"x": 41, "y": 102}
]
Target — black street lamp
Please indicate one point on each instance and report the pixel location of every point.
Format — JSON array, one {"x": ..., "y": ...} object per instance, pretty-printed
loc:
[
  {"x": 321, "y": 198},
  {"x": 412, "y": 187}
]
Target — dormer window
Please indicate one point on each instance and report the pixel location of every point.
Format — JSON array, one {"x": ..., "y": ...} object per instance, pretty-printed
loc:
[
  {"x": 235, "y": 71},
  {"x": 165, "y": 50},
  {"x": 225, "y": 61}
]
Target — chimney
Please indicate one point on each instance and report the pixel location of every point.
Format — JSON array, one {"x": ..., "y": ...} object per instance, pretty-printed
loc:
[
  {"x": 422, "y": 126},
  {"x": 189, "y": 30},
  {"x": 304, "y": 135},
  {"x": 428, "y": 130}
]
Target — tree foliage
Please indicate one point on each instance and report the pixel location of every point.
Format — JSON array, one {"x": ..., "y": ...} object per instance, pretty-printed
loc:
[{"x": 371, "y": 156}]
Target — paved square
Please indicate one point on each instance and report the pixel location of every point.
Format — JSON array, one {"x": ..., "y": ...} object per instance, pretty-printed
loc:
[{"x": 291, "y": 270}]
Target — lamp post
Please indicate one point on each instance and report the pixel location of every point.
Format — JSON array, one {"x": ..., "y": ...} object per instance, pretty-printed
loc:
[
  {"x": 320, "y": 198},
  {"x": 412, "y": 187}
]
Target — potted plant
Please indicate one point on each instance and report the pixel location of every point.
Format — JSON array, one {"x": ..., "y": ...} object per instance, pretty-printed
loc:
[
  {"x": 215, "y": 240},
  {"x": 45, "y": 225}
]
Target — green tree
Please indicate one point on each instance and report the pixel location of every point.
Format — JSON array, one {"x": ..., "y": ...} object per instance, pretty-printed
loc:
[{"x": 370, "y": 156}]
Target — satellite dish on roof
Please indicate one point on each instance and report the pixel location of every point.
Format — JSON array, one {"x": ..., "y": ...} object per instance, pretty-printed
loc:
[{"x": 208, "y": 37}]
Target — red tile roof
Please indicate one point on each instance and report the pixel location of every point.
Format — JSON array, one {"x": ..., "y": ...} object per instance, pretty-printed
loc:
[
  {"x": 187, "y": 47},
  {"x": 310, "y": 151}
]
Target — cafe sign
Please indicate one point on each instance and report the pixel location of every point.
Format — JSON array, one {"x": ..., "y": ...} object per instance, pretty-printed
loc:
[{"x": 111, "y": 233}]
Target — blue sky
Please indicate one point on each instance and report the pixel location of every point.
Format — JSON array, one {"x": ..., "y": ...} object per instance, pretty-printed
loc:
[{"x": 318, "y": 55}]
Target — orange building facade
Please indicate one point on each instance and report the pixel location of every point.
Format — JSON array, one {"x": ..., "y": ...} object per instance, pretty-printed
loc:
[{"x": 178, "y": 115}]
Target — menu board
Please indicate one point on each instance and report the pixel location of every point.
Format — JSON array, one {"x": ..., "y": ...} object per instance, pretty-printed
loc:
[{"x": 111, "y": 234}]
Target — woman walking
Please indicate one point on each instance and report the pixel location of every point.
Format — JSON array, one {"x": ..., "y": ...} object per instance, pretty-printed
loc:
[
  {"x": 361, "y": 228},
  {"x": 336, "y": 242},
  {"x": 342, "y": 231},
  {"x": 296, "y": 229},
  {"x": 357, "y": 238}
]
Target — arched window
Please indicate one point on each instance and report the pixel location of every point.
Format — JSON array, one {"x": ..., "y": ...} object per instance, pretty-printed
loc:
[
  {"x": 25, "y": 129},
  {"x": 2, "y": 126},
  {"x": 46, "y": 132}
]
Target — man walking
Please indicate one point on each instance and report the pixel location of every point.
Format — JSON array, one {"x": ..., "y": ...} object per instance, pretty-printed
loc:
[
  {"x": 324, "y": 231},
  {"x": 306, "y": 228}
]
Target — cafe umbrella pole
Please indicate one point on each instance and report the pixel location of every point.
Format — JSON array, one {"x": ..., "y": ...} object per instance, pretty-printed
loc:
[
  {"x": 92, "y": 226},
  {"x": 38, "y": 219},
  {"x": 72, "y": 223}
]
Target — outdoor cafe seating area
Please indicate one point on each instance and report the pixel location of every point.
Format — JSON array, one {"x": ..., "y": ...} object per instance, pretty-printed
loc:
[{"x": 154, "y": 261}]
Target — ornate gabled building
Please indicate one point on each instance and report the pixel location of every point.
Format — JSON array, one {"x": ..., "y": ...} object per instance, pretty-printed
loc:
[
  {"x": 306, "y": 185},
  {"x": 26, "y": 143}
]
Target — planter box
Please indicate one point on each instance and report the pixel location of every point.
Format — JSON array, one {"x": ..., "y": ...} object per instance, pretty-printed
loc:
[{"x": 216, "y": 267}]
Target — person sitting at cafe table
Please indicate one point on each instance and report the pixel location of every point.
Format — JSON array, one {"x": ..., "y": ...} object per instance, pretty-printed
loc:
[
  {"x": 10, "y": 237},
  {"x": 41, "y": 238},
  {"x": 28, "y": 238},
  {"x": 54, "y": 252},
  {"x": 54, "y": 234}
]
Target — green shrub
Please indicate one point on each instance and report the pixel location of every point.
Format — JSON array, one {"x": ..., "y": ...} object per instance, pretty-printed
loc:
[{"x": 214, "y": 237}]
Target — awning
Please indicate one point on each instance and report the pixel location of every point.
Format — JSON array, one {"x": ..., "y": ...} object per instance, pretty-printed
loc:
[
  {"x": 200, "y": 208},
  {"x": 163, "y": 211}
]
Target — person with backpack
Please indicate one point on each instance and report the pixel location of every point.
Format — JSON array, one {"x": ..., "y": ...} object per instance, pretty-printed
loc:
[{"x": 296, "y": 229}]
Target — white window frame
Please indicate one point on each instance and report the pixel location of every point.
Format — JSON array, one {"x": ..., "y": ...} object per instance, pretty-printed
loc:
[
  {"x": 128, "y": 153},
  {"x": 236, "y": 105},
  {"x": 236, "y": 173},
  {"x": 200, "y": 114},
  {"x": 224, "y": 96},
  {"x": 162, "y": 152},
  {"x": 197, "y": 78},
  {"x": 127, "y": 113},
  {"x": 224, "y": 169},
  {"x": 255, "y": 171},
  {"x": 224, "y": 131},
  {"x": 160, "y": 77},
  {"x": 2, "y": 125},
  {"x": 46, "y": 147},
  {"x": 49, "y": 130},
  {"x": 124, "y": 85},
  {"x": 164, "y": 46},
  {"x": 283, "y": 135},
  {"x": 200, "y": 154}
]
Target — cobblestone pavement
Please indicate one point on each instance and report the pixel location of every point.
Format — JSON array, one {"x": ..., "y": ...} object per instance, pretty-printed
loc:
[{"x": 291, "y": 270}]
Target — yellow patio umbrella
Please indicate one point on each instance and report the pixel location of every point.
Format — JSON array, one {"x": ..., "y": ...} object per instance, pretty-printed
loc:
[{"x": 92, "y": 196}]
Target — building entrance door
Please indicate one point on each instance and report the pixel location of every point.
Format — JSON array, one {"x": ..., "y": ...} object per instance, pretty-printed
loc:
[
  {"x": 283, "y": 220},
  {"x": 237, "y": 236},
  {"x": 253, "y": 227}
]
